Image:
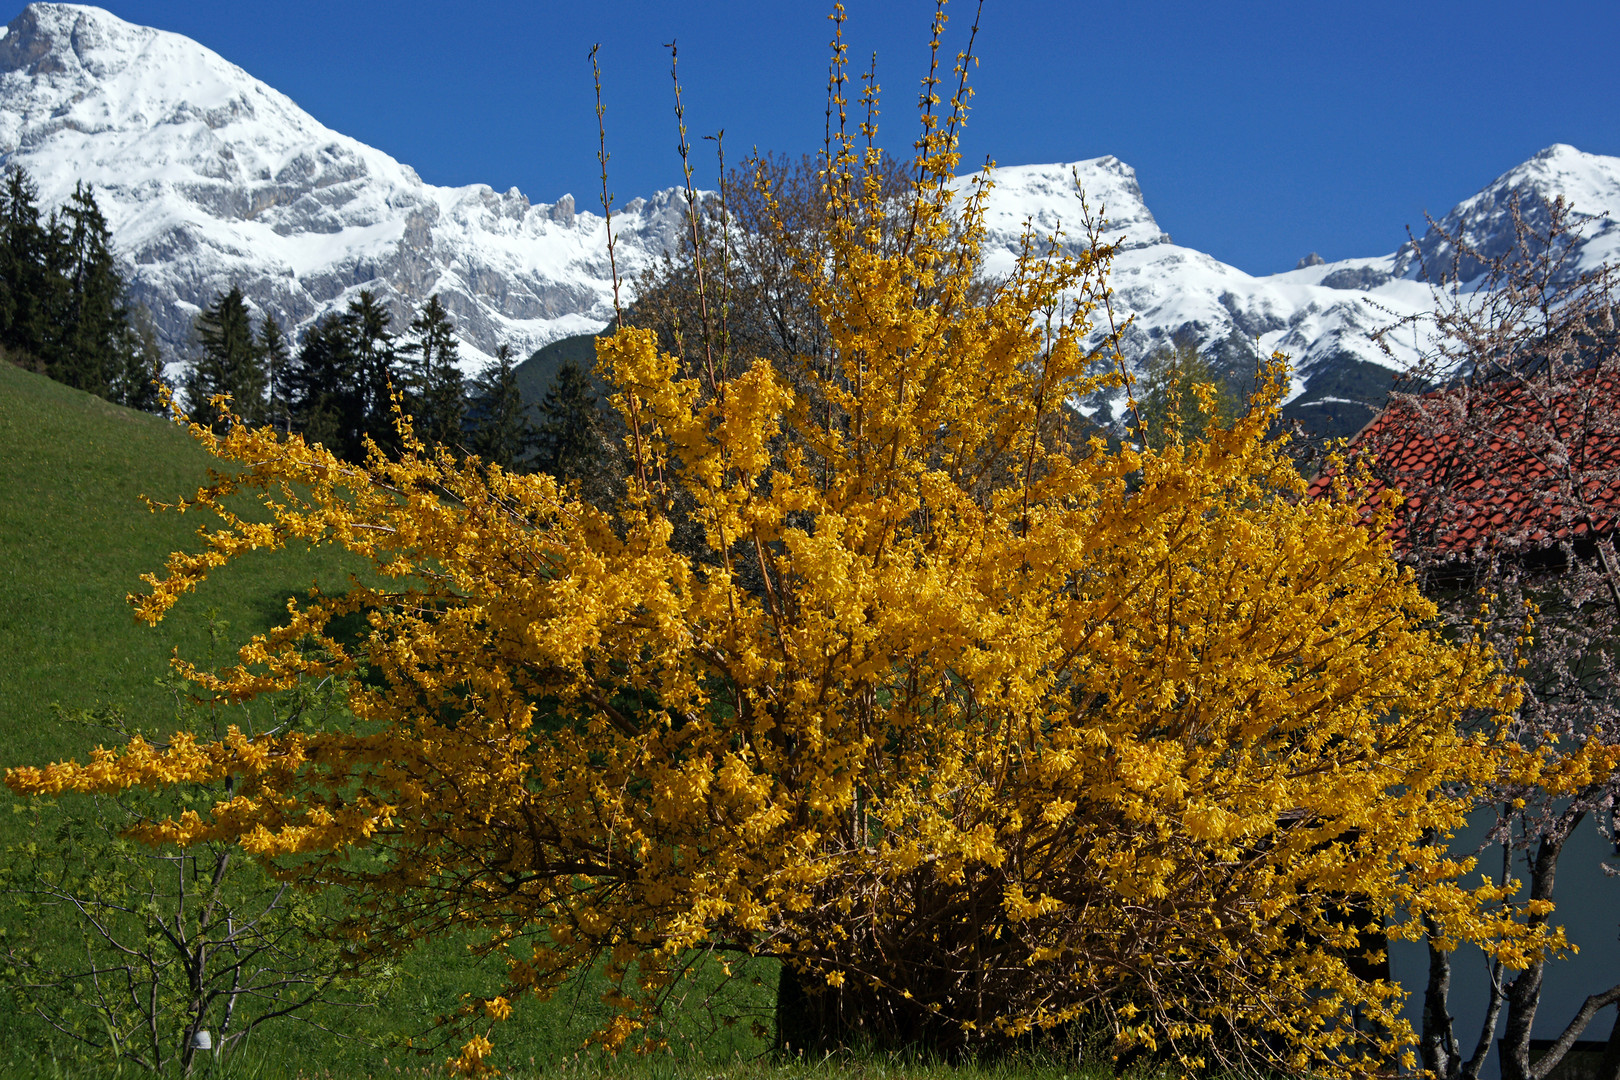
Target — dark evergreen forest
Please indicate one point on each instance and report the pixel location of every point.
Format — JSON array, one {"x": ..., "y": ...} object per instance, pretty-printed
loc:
[{"x": 65, "y": 312}]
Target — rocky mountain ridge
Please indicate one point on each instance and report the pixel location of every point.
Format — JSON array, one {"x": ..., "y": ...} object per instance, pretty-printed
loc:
[{"x": 209, "y": 177}]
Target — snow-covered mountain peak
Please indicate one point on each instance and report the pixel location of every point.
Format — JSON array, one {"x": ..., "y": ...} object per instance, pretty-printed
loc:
[
  {"x": 142, "y": 108},
  {"x": 91, "y": 71},
  {"x": 1590, "y": 183},
  {"x": 1046, "y": 200},
  {"x": 209, "y": 178},
  {"x": 64, "y": 38}
]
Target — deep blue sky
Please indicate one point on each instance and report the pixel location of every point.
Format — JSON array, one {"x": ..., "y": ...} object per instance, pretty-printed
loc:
[{"x": 1259, "y": 131}]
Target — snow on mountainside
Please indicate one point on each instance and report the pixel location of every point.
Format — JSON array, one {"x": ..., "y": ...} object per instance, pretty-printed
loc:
[
  {"x": 209, "y": 177},
  {"x": 1044, "y": 196},
  {"x": 1591, "y": 183},
  {"x": 1323, "y": 315}
]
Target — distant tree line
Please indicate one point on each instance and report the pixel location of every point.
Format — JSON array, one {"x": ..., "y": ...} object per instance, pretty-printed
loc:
[
  {"x": 339, "y": 387},
  {"x": 64, "y": 307}
]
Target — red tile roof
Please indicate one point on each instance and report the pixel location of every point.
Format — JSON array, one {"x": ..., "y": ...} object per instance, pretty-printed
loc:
[{"x": 1533, "y": 462}]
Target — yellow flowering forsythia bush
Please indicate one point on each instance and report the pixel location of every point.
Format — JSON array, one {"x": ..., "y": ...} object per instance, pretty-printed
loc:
[{"x": 994, "y": 741}]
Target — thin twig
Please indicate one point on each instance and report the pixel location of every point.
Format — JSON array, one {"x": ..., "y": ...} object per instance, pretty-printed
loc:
[
  {"x": 607, "y": 197},
  {"x": 691, "y": 217}
]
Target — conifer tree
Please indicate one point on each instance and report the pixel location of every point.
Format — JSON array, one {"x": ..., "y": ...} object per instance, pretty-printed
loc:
[
  {"x": 22, "y": 269},
  {"x": 96, "y": 341},
  {"x": 53, "y": 303},
  {"x": 501, "y": 431},
  {"x": 324, "y": 397},
  {"x": 368, "y": 411},
  {"x": 570, "y": 426},
  {"x": 339, "y": 387},
  {"x": 63, "y": 304},
  {"x": 230, "y": 362},
  {"x": 138, "y": 383},
  {"x": 437, "y": 393},
  {"x": 278, "y": 370},
  {"x": 1169, "y": 406}
]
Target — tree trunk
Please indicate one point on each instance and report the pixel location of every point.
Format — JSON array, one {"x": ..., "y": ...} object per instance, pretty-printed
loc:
[
  {"x": 1487, "y": 1030},
  {"x": 809, "y": 1017},
  {"x": 1439, "y": 1045},
  {"x": 1524, "y": 992}
]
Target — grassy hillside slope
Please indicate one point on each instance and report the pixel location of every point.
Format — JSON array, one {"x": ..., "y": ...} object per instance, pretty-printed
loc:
[{"x": 75, "y": 538}]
